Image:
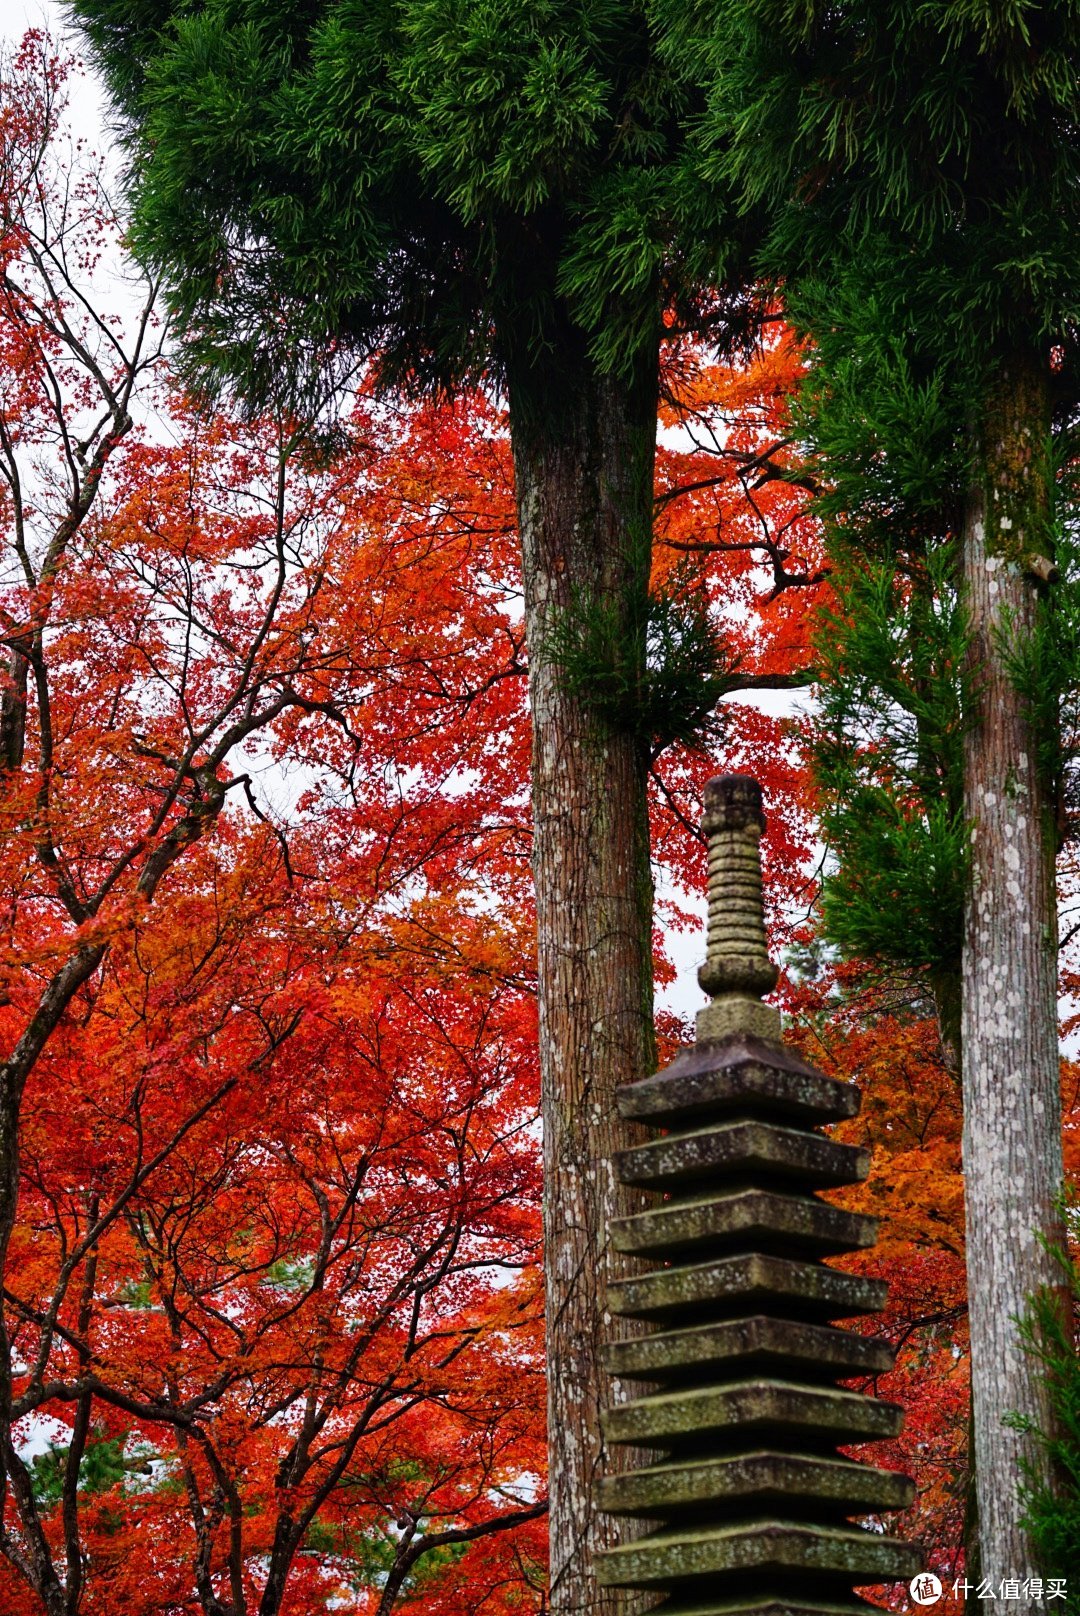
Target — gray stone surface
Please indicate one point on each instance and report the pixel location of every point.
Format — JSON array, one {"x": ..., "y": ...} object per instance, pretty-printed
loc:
[
  {"x": 747, "y": 1284},
  {"x": 749, "y": 1482},
  {"x": 778, "y": 1605},
  {"x": 737, "y": 1404},
  {"x": 767, "y": 1546},
  {"x": 749, "y": 1149},
  {"x": 751, "y": 1218},
  {"x": 739, "y": 1074},
  {"x": 740, "y": 1408},
  {"x": 728, "y": 1347},
  {"x": 732, "y": 1014}
]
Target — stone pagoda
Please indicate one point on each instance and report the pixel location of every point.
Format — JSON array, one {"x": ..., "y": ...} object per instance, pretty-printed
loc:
[{"x": 748, "y": 1502}]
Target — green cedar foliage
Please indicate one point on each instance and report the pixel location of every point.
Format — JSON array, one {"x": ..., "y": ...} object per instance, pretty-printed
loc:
[
  {"x": 101, "y": 1467},
  {"x": 458, "y": 187},
  {"x": 888, "y": 763},
  {"x": 886, "y": 442},
  {"x": 1052, "y": 1506},
  {"x": 656, "y": 671},
  {"x": 885, "y": 423},
  {"x": 951, "y": 129}
]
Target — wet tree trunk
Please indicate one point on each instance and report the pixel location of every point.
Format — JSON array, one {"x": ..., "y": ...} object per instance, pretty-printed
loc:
[
  {"x": 1012, "y": 1150},
  {"x": 584, "y": 478}
]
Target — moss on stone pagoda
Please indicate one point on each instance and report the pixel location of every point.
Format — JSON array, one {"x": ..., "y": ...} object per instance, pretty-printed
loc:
[{"x": 751, "y": 1507}]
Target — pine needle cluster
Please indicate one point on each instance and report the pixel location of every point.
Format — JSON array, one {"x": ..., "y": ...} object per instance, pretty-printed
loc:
[
  {"x": 886, "y": 437},
  {"x": 654, "y": 667}
]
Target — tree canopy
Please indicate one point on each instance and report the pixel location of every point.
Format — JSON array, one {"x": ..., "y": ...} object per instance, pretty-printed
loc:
[
  {"x": 456, "y": 186},
  {"x": 949, "y": 130}
]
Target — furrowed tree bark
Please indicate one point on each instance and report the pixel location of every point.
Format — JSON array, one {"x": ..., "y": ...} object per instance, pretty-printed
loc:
[
  {"x": 1012, "y": 1150},
  {"x": 584, "y": 478}
]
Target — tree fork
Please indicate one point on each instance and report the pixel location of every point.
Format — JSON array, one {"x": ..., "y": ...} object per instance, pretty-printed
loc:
[
  {"x": 1012, "y": 1151},
  {"x": 583, "y": 464}
]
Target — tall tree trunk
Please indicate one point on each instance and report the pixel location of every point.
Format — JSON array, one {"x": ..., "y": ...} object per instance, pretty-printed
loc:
[
  {"x": 1012, "y": 1150},
  {"x": 584, "y": 476},
  {"x": 945, "y": 988}
]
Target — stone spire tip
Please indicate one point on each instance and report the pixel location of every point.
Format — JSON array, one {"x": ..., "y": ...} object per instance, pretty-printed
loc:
[
  {"x": 737, "y": 969},
  {"x": 733, "y": 801}
]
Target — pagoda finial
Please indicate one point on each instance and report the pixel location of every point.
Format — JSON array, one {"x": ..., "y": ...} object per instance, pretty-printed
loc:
[{"x": 737, "y": 969}]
